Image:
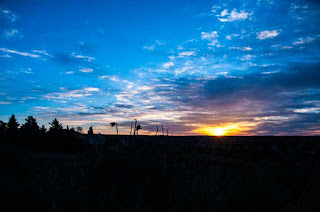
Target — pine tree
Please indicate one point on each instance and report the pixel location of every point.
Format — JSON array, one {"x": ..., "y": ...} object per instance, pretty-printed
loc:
[
  {"x": 3, "y": 127},
  {"x": 43, "y": 129},
  {"x": 13, "y": 125},
  {"x": 90, "y": 131},
  {"x": 55, "y": 126},
  {"x": 31, "y": 125}
]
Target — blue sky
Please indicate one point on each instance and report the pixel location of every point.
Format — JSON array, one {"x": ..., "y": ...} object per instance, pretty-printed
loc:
[{"x": 190, "y": 65}]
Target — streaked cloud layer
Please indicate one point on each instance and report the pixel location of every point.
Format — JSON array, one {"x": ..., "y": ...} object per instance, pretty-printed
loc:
[{"x": 192, "y": 65}]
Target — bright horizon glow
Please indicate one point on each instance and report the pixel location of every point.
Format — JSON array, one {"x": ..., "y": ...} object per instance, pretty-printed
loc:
[{"x": 220, "y": 130}]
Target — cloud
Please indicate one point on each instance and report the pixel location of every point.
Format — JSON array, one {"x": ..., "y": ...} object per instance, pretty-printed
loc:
[
  {"x": 308, "y": 110},
  {"x": 86, "y": 70},
  {"x": 223, "y": 13},
  {"x": 168, "y": 64},
  {"x": 87, "y": 58},
  {"x": 149, "y": 48},
  {"x": 69, "y": 72},
  {"x": 26, "y": 54},
  {"x": 5, "y": 56},
  {"x": 160, "y": 43},
  {"x": 5, "y": 103},
  {"x": 42, "y": 52},
  {"x": 247, "y": 57},
  {"x": 12, "y": 17},
  {"x": 210, "y": 36},
  {"x": 11, "y": 34},
  {"x": 233, "y": 16},
  {"x": 301, "y": 41},
  {"x": 186, "y": 53},
  {"x": 112, "y": 78},
  {"x": 69, "y": 94},
  {"x": 243, "y": 48},
  {"x": 229, "y": 37},
  {"x": 266, "y": 34}
]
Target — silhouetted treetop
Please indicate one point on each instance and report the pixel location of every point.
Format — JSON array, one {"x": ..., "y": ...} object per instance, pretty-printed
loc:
[
  {"x": 43, "y": 129},
  {"x": 13, "y": 124},
  {"x": 90, "y": 131},
  {"x": 55, "y": 125},
  {"x": 79, "y": 129},
  {"x": 3, "y": 127},
  {"x": 31, "y": 124}
]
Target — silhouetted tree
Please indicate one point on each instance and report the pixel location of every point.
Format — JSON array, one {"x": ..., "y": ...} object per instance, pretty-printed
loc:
[
  {"x": 43, "y": 129},
  {"x": 90, "y": 131},
  {"x": 115, "y": 124},
  {"x": 131, "y": 128},
  {"x": 162, "y": 129},
  {"x": 13, "y": 125},
  {"x": 79, "y": 129},
  {"x": 135, "y": 126},
  {"x": 30, "y": 126},
  {"x": 67, "y": 127},
  {"x": 3, "y": 127},
  {"x": 72, "y": 129},
  {"x": 157, "y": 130},
  {"x": 55, "y": 126},
  {"x": 138, "y": 128}
]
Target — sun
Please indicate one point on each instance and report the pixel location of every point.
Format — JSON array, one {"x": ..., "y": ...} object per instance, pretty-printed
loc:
[{"x": 220, "y": 130}]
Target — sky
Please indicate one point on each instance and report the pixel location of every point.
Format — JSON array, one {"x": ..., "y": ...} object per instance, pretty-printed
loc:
[{"x": 196, "y": 67}]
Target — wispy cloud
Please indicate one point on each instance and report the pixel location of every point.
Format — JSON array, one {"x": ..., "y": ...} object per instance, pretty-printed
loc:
[
  {"x": 168, "y": 64},
  {"x": 12, "y": 17},
  {"x": 301, "y": 41},
  {"x": 11, "y": 33},
  {"x": 149, "y": 48},
  {"x": 42, "y": 52},
  {"x": 110, "y": 77},
  {"x": 266, "y": 34},
  {"x": 233, "y": 16},
  {"x": 5, "y": 56},
  {"x": 243, "y": 48},
  {"x": 186, "y": 53},
  {"x": 86, "y": 70},
  {"x": 26, "y": 54},
  {"x": 87, "y": 58},
  {"x": 152, "y": 46},
  {"x": 68, "y": 94},
  {"x": 5, "y": 103}
]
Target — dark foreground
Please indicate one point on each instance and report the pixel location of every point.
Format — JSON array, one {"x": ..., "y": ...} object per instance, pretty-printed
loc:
[{"x": 146, "y": 173}]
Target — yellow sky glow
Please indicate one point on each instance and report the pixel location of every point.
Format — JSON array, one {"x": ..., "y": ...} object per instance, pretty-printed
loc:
[{"x": 229, "y": 129}]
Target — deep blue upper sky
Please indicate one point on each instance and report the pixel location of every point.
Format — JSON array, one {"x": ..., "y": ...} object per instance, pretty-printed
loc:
[{"x": 187, "y": 64}]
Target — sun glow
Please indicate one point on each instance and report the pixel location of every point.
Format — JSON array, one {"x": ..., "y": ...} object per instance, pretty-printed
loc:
[{"x": 220, "y": 130}]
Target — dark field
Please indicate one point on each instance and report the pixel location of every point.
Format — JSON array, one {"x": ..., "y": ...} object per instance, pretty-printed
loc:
[{"x": 147, "y": 173}]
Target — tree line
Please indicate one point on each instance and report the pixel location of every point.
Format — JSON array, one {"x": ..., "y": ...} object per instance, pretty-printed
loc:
[
  {"x": 31, "y": 127},
  {"x": 12, "y": 127}
]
